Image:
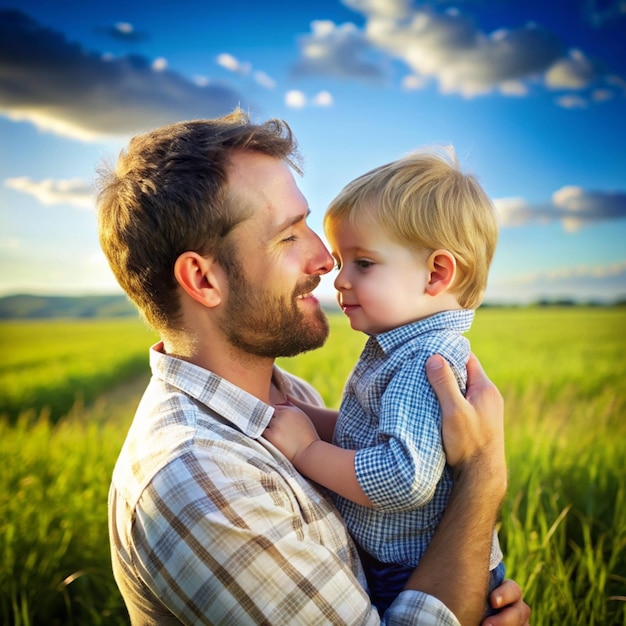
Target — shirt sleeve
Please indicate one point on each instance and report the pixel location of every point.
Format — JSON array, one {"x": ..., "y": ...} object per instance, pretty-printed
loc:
[
  {"x": 402, "y": 472},
  {"x": 413, "y": 608}
]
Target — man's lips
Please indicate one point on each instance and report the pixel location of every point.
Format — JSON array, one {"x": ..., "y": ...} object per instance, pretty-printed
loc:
[{"x": 309, "y": 286}]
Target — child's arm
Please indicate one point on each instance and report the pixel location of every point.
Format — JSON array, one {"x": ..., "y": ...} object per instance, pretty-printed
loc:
[
  {"x": 293, "y": 433},
  {"x": 323, "y": 419}
]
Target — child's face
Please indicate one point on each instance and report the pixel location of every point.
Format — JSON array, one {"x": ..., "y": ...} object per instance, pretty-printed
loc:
[{"x": 381, "y": 283}]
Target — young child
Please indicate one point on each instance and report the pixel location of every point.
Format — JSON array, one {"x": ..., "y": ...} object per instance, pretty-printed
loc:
[{"x": 413, "y": 241}]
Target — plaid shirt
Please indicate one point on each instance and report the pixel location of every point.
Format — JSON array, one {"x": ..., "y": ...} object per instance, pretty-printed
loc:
[
  {"x": 390, "y": 414},
  {"x": 210, "y": 524}
]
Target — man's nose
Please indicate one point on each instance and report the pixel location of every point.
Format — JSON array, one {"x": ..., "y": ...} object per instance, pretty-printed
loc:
[{"x": 321, "y": 260}]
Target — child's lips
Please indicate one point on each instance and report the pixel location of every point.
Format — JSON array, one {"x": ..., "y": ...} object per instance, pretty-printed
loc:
[{"x": 348, "y": 308}]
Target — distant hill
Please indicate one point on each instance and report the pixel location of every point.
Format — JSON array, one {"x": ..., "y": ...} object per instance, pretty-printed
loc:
[
  {"x": 29, "y": 307},
  {"x": 48, "y": 307}
]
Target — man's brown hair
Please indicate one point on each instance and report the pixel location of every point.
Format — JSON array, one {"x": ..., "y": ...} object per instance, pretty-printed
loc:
[{"x": 168, "y": 195}]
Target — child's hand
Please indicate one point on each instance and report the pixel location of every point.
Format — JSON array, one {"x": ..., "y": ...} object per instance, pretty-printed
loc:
[{"x": 291, "y": 431}]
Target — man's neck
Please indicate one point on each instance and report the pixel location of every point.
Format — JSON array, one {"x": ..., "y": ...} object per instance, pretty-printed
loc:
[{"x": 251, "y": 373}]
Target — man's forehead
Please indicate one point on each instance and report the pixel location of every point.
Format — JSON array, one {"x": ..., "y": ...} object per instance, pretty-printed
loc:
[
  {"x": 248, "y": 165},
  {"x": 266, "y": 186}
]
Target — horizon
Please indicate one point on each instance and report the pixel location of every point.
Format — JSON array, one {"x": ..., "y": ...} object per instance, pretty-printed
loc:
[{"x": 327, "y": 302}]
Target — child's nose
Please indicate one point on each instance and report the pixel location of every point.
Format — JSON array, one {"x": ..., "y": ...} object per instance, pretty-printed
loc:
[{"x": 341, "y": 281}]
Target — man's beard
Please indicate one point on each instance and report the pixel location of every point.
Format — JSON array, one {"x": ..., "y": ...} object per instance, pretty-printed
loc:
[{"x": 265, "y": 324}]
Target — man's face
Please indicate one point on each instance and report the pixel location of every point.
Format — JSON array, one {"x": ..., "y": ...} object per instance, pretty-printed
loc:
[{"x": 270, "y": 310}]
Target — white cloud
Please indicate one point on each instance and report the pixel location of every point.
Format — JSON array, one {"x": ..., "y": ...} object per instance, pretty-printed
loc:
[
  {"x": 123, "y": 31},
  {"x": 513, "y": 212},
  {"x": 391, "y": 9},
  {"x": 59, "y": 87},
  {"x": 602, "y": 95},
  {"x": 295, "y": 99},
  {"x": 513, "y": 88},
  {"x": 572, "y": 102},
  {"x": 232, "y": 64},
  {"x": 159, "y": 64},
  {"x": 229, "y": 62},
  {"x": 583, "y": 282},
  {"x": 75, "y": 191},
  {"x": 323, "y": 99},
  {"x": 413, "y": 82},
  {"x": 569, "y": 197},
  {"x": 264, "y": 80},
  {"x": 124, "y": 28},
  {"x": 572, "y": 206},
  {"x": 448, "y": 48},
  {"x": 572, "y": 72},
  {"x": 336, "y": 50}
]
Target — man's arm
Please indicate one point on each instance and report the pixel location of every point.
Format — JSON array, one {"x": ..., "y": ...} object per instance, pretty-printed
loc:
[{"x": 473, "y": 438}]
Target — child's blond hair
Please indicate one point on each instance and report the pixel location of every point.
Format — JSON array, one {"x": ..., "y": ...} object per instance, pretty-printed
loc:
[{"x": 425, "y": 201}]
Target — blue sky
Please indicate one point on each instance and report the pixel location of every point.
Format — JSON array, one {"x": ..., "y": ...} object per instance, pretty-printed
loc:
[{"x": 531, "y": 94}]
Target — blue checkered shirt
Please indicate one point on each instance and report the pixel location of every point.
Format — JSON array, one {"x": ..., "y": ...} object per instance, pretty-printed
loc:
[{"x": 391, "y": 416}]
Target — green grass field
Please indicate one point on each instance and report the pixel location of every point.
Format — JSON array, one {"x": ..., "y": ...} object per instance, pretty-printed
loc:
[
  {"x": 563, "y": 527},
  {"x": 49, "y": 365}
]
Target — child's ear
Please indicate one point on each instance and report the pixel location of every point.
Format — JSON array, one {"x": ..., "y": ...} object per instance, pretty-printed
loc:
[
  {"x": 442, "y": 270},
  {"x": 201, "y": 277}
]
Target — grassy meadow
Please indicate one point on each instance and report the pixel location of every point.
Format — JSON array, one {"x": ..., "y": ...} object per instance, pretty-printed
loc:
[{"x": 66, "y": 407}]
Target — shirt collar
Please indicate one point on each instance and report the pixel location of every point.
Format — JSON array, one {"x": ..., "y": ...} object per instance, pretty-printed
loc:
[
  {"x": 456, "y": 320},
  {"x": 243, "y": 410}
]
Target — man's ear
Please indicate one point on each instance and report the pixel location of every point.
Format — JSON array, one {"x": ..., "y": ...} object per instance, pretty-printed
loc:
[
  {"x": 442, "y": 270},
  {"x": 201, "y": 277}
]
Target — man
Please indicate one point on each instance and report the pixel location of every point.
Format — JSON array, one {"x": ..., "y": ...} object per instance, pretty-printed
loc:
[{"x": 205, "y": 229}]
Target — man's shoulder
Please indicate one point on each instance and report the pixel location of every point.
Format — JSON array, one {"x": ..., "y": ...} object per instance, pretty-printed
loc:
[
  {"x": 164, "y": 423},
  {"x": 296, "y": 387}
]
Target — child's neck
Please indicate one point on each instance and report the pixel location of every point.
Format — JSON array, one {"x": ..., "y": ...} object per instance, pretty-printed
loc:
[{"x": 438, "y": 304}]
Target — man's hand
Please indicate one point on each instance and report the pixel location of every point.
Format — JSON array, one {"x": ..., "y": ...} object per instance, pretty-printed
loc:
[
  {"x": 472, "y": 426},
  {"x": 473, "y": 438},
  {"x": 513, "y": 610},
  {"x": 291, "y": 431}
]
